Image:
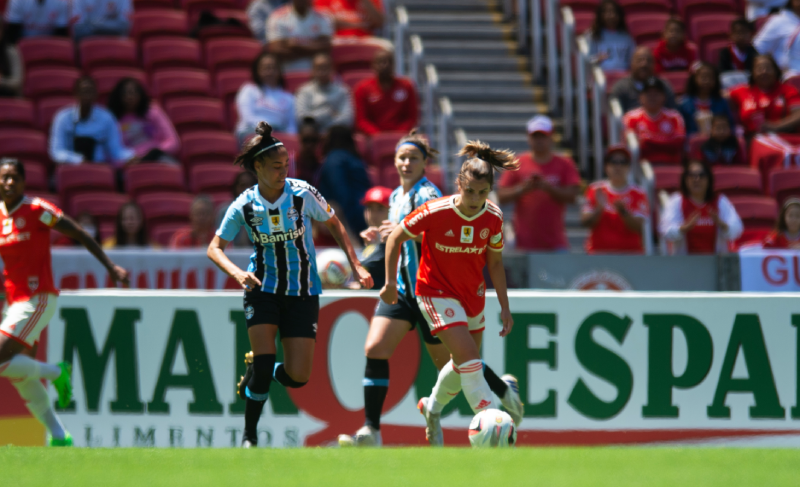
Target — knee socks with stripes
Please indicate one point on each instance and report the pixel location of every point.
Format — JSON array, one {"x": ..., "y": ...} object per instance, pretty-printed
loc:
[{"x": 376, "y": 385}]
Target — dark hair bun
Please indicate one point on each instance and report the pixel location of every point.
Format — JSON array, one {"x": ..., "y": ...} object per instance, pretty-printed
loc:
[{"x": 264, "y": 129}]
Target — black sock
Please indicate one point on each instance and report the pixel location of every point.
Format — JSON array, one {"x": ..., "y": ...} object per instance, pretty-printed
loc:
[
  {"x": 259, "y": 386},
  {"x": 376, "y": 385},
  {"x": 282, "y": 378},
  {"x": 496, "y": 384}
]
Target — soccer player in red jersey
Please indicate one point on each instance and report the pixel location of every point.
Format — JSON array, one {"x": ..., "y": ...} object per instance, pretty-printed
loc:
[
  {"x": 787, "y": 230},
  {"x": 461, "y": 234},
  {"x": 31, "y": 294}
]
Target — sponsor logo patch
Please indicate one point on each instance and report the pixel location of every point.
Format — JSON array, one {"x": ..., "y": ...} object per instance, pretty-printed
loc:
[
  {"x": 449, "y": 234},
  {"x": 46, "y": 218},
  {"x": 256, "y": 220},
  {"x": 20, "y": 223},
  {"x": 460, "y": 250},
  {"x": 467, "y": 234},
  {"x": 449, "y": 312},
  {"x": 249, "y": 312},
  {"x": 292, "y": 214},
  {"x": 8, "y": 224},
  {"x": 33, "y": 283}
]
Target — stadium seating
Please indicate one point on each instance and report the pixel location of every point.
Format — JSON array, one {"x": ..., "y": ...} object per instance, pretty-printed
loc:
[
  {"x": 709, "y": 27},
  {"x": 47, "y": 52},
  {"x": 668, "y": 178},
  {"x": 150, "y": 178},
  {"x": 239, "y": 28},
  {"x": 25, "y": 144},
  {"x": 103, "y": 206},
  {"x": 107, "y": 78},
  {"x": 192, "y": 114},
  {"x": 83, "y": 178},
  {"x": 756, "y": 212},
  {"x": 646, "y": 6},
  {"x": 161, "y": 234},
  {"x": 170, "y": 84},
  {"x": 194, "y": 7},
  {"x": 784, "y": 183},
  {"x": 205, "y": 147},
  {"x": 389, "y": 177},
  {"x": 677, "y": 80},
  {"x": 213, "y": 178},
  {"x": 46, "y": 109},
  {"x": 383, "y": 148},
  {"x": 647, "y": 27},
  {"x": 231, "y": 53},
  {"x": 689, "y": 8},
  {"x": 159, "y": 208},
  {"x": 229, "y": 81},
  {"x": 40, "y": 82},
  {"x": 15, "y": 113},
  {"x": 150, "y": 23},
  {"x": 710, "y": 50},
  {"x": 169, "y": 52},
  {"x": 293, "y": 81},
  {"x": 36, "y": 176},
  {"x": 353, "y": 78},
  {"x": 733, "y": 180},
  {"x": 108, "y": 52},
  {"x": 349, "y": 54}
]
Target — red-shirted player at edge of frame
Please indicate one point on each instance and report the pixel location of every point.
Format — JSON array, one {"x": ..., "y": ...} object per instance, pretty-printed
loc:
[
  {"x": 461, "y": 234},
  {"x": 31, "y": 294}
]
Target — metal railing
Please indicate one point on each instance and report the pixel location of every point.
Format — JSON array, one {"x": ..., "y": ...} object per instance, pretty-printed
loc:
[
  {"x": 552, "y": 54},
  {"x": 537, "y": 46},
  {"x": 642, "y": 172},
  {"x": 567, "y": 86},
  {"x": 430, "y": 93},
  {"x": 400, "y": 32},
  {"x": 416, "y": 53},
  {"x": 615, "y": 114},
  {"x": 598, "y": 103},
  {"x": 582, "y": 114},
  {"x": 445, "y": 131}
]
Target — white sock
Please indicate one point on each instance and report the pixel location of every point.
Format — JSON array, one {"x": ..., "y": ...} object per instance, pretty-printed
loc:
[
  {"x": 36, "y": 399},
  {"x": 475, "y": 388},
  {"x": 24, "y": 367},
  {"x": 447, "y": 387}
]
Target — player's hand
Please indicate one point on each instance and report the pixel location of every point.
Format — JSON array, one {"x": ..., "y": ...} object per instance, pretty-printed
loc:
[
  {"x": 620, "y": 206},
  {"x": 389, "y": 293},
  {"x": 508, "y": 322},
  {"x": 247, "y": 280},
  {"x": 386, "y": 229},
  {"x": 364, "y": 277},
  {"x": 370, "y": 235},
  {"x": 714, "y": 214},
  {"x": 118, "y": 274}
]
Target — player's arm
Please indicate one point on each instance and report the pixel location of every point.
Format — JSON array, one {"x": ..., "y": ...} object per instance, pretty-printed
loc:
[
  {"x": 68, "y": 227},
  {"x": 340, "y": 235},
  {"x": 494, "y": 261},
  {"x": 216, "y": 252},
  {"x": 393, "y": 243}
]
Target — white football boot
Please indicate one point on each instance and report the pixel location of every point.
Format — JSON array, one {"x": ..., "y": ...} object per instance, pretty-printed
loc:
[
  {"x": 433, "y": 431},
  {"x": 511, "y": 400},
  {"x": 365, "y": 436}
]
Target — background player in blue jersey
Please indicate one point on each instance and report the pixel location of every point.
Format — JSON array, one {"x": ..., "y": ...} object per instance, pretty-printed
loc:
[
  {"x": 281, "y": 283},
  {"x": 392, "y": 321}
]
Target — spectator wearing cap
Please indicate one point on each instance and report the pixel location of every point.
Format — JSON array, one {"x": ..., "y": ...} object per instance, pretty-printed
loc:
[
  {"x": 385, "y": 102},
  {"x": 354, "y": 18},
  {"x": 343, "y": 177},
  {"x": 780, "y": 37},
  {"x": 325, "y": 100},
  {"x": 628, "y": 89},
  {"x": 296, "y": 32},
  {"x": 101, "y": 18},
  {"x": 540, "y": 190},
  {"x": 376, "y": 213},
  {"x": 615, "y": 210},
  {"x": 787, "y": 229},
  {"x": 660, "y": 131}
]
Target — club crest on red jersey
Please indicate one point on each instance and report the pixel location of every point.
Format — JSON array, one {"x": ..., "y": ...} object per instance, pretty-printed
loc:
[
  {"x": 484, "y": 234},
  {"x": 33, "y": 283}
]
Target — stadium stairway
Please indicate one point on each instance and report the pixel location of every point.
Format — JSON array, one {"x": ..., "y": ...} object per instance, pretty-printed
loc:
[{"x": 485, "y": 76}]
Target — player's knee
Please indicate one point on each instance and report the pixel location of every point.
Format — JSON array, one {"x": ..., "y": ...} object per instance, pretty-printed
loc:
[{"x": 297, "y": 381}]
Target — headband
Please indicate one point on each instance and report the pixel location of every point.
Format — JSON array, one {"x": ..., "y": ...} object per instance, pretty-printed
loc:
[
  {"x": 278, "y": 143},
  {"x": 415, "y": 144}
]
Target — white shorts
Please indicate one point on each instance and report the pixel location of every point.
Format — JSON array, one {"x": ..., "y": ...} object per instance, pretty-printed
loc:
[
  {"x": 23, "y": 321},
  {"x": 444, "y": 313}
]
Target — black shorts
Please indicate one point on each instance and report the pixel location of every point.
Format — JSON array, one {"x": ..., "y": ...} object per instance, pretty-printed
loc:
[
  {"x": 296, "y": 316},
  {"x": 407, "y": 310}
]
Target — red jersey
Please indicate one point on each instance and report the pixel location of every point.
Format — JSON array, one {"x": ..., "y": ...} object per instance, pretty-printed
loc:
[
  {"x": 349, "y": 11},
  {"x": 25, "y": 248},
  {"x": 454, "y": 250},
  {"x": 538, "y": 218},
  {"x": 610, "y": 234},
  {"x": 702, "y": 238},
  {"x": 778, "y": 240},
  {"x": 661, "y": 138},
  {"x": 756, "y": 106},
  {"x": 678, "y": 60},
  {"x": 385, "y": 111},
  {"x": 183, "y": 238}
]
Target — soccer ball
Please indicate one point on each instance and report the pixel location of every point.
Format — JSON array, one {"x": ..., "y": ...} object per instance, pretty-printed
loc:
[
  {"x": 492, "y": 428},
  {"x": 333, "y": 268}
]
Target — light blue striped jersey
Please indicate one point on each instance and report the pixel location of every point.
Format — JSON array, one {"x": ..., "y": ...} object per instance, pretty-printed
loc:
[
  {"x": 400, "y": 205},
  {"x": 283, "y": 248}
]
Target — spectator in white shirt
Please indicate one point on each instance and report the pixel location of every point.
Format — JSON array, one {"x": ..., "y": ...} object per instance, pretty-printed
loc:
[
  {"x": 780, "y": 36},
  {"x": 323, "y": 99},
  {"x": 265, "y": 99},
  {"x": 257, "y": 14},
  {"x": 296, "y": 32},
  {"x": 29, "y": 18}
]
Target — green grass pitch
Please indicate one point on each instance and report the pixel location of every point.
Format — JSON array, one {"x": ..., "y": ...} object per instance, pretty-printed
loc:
[{"x": 551, "y": 467}]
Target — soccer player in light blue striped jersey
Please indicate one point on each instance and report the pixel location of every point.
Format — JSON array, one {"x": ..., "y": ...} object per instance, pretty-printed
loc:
[{"x": 281, "y": 284}]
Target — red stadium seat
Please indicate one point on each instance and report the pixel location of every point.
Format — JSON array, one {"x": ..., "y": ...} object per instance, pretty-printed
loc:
[
  {"x": 355, "y": 53},
  {"x": 708, "y": 27},
  {"x": 710, "y": 50},
  {"x": 756, "y": 211},
  {"x": 47, "y": 51},
  {"x": 84, "y": 178},
  {"x": 194, "y": 7},
  {"x": 383, "y": 148},
  {"x": 676, "y": 79},
  {"x": 152, "y": 23},
  {"x": 103, "y": 206},
  {"x": 210, "y": 178},
  {"x": 46, "y": 109},
  {"x": 208, "y": 147},
  {"x": 293, "y": 81},
  {"x": 16, "y": 113},
  {"x": 153, "y": 178},
  {"x": 25, "y": 144},
  {"x": 108, "y": 52},
  {"x": 733, "y": 180},
  {"x": 353, "y": 78},
  {"x": 389, "y": 177},
  {"x": 107, "y": 79},
  {"x": 159, "y": 208},
  {"x": 229, "y": 81},
  {"x": 235, "y": 24},
  {"x": 36, "y": 176},
  {"x": 689, "y": 8},
  {"x": 192, "y": 114},
  {"x": 785, "y": 183},
  {"x": 646, "y": 27},
  {"x": 41, "y": 82},
  {"x": 668, "y": 178},
  {"x": 362, "y": 145},
  {"x": 646, "y": 6},
  {"x": 231, "y": 53},
  {"x": 169, "y": 84},
  {"x": 169, "y": 52}
]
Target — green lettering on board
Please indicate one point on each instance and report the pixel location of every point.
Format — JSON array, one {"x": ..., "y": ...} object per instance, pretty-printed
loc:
[
  {"x": 519, "y": 355},
  {"x": 748, "y": 336},
  {"x": 121, "y": 340},
  {"x": 186, "y": 331},
  {"x": 661, "y": 377},
  {"x": 603, "y": 363}
]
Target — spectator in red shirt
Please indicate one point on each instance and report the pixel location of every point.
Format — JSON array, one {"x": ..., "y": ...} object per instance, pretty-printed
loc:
[
  {"x": 542, "y": 187},
  {"x": 674, "y": 52},
  {"x": 615, "y": 211},
  {"x": 355, "y": 18},
  {"x": 386, "y": 102},
  {"x": 766, "y": 104},
  {"x": 787, "y": 231},
  {"x": 660, "y": 131},
  {"x": 200, "y": 230}
]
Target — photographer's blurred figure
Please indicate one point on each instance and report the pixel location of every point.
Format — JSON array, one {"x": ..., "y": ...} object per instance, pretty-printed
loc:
[{"x": 376, "y": 214}]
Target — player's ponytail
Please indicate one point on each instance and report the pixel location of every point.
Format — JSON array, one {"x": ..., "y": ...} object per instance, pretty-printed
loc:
[
  {"x": 420, "y": 142},
  {"x": 262, "y": 144},
  {"x": 482, "y": 161}
]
